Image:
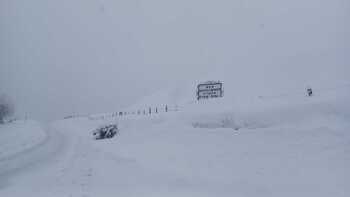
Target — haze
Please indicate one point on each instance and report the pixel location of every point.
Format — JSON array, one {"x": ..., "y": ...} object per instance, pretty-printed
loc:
[{"x": 78, "y": 56}]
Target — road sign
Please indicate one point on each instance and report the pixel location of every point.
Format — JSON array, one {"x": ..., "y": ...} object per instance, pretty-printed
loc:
[{"x": 210, "y": 89}]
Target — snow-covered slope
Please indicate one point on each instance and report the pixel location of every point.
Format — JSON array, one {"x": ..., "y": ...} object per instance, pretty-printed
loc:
[
  {"x": 255, "y": 105},
  {"x": 284, "y": 145},
  {"x": 274, "y": 144}
]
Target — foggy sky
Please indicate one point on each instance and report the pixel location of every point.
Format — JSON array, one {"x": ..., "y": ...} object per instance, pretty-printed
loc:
[{"x": 88, "y": 56}]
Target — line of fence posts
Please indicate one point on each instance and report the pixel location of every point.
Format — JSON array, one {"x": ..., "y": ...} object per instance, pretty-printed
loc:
[{"x": 139, "y": 112}]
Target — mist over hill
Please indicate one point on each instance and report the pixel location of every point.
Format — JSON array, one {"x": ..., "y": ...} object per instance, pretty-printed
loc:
[{"x": 64, "y": 57}]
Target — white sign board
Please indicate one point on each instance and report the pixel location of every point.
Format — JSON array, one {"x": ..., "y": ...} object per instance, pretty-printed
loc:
[{"x": 209, "y": 90}]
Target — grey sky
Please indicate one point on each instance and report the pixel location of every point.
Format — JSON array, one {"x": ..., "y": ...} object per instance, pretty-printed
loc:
[{"x": 59, "y": 57}]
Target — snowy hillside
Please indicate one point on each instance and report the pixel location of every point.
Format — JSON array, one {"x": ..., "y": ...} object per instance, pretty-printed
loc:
[
  {"x": 248, "y": 106},
  {"x": 284, "y": 145},
  {"x": 273, "y": 145}
]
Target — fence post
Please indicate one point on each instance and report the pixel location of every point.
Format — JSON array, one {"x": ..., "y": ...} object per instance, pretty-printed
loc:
[
  {"x": 150, "y": 110},
  {"x": 166, "y": 108}
]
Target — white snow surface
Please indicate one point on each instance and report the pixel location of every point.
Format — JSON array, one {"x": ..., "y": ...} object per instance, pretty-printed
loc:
[
  {"x": 19, "y": 136},
  {"x": 263, "y": 145}
]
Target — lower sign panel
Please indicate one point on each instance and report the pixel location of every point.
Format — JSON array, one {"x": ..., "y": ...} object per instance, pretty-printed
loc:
[{"x": 209, "y": 94}]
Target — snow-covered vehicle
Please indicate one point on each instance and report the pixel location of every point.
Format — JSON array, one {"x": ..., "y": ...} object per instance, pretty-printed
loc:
[{"x": 106, "y": 131}]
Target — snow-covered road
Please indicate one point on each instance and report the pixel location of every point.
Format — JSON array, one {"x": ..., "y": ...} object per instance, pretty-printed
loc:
[
  {"x": 31, "y": 155},
  {"x": 158, "y": 158}
]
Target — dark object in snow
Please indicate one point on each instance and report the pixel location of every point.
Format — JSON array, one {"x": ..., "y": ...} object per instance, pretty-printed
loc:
[
  {"x": 6, "y": 108},
  {"x": 107, "y": 131},
  {"x": 309, "y": 91}
]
